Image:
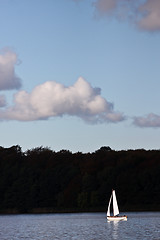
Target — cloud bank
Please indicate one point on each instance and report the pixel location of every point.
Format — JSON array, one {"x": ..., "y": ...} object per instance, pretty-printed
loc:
[
  {"x": 52, "y": 99},
  {"x": 145, "y": 14},
  {"x": 8, "y": 79}
]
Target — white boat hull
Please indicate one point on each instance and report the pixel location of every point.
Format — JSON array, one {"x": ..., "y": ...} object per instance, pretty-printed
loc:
[{"x": 116, "y": 218}]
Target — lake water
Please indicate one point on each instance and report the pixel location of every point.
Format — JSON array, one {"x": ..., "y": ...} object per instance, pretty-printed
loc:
[{"x": 79, "y": 226}]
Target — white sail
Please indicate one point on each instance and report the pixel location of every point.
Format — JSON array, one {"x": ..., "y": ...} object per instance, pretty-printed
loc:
[
  {"x": 108, "y": 211},
  {"x": 115, "y": 205}
]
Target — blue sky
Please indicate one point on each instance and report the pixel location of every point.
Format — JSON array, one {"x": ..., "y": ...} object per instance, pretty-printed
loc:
[{"x": 80, "y": 74}]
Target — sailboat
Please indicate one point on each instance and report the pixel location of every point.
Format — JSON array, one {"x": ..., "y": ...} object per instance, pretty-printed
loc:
[{"x": 115, "y": 209}]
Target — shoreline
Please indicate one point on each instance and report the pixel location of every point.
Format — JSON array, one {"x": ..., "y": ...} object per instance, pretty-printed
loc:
[{"x": 63, "y": 211}]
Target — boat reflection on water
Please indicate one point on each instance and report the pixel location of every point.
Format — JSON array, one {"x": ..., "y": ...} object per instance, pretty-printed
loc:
[{"x": 113, "y": 228}]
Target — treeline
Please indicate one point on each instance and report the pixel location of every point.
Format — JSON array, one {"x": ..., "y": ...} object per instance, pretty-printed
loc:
[{"x": 41, "y": 180}]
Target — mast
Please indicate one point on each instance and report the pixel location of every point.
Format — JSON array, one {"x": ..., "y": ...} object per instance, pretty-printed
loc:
[{"x": 115, "y": 204}]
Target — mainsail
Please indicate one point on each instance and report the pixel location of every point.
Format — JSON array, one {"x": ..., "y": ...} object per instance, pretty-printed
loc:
[{"x": 115, "y": 205}]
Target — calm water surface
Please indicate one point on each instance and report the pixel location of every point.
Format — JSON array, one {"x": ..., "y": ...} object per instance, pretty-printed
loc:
[{"x": 79, "y": 226}]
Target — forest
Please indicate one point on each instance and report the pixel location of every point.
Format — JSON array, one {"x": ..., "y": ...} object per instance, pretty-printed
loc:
[{"x": 40, "y": 180}]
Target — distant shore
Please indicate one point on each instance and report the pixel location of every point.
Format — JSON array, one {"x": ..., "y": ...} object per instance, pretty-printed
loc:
[
  {"x": 43, "y": 181},
  {"x": 51, "y": 210}
]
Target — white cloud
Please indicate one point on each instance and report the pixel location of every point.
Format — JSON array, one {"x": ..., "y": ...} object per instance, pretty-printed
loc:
[
  {"x": 145, "y": 14},
  {"x": 151, "y": 120},
  {"x": 104, "y": 6},
  {"x": 150, "y": 15},
  {"x": 8, "y": 78},
  {"x": 2, "y": 101},
  {"x": 52, "y": 99}
]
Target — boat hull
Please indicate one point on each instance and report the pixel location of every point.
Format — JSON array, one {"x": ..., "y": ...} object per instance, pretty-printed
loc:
[{"x": 116, "y": 218}]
